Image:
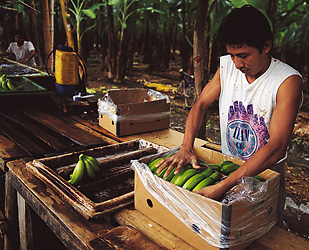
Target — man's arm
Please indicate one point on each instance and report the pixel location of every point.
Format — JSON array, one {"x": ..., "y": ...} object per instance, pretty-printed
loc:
[
  {"x": 280, "y": 131},
  {"x": 30, "y": 55},
  {"x": 186, "y": 155},
  {"x": 5, "y": 53}
]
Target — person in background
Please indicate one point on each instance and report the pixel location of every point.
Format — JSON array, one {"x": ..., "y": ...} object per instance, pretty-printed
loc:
[
  {"x": 259, "y": 97},
  {"x": 23, "y": 50}
]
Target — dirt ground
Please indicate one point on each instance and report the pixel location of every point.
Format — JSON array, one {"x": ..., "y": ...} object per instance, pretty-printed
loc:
[{"x": 297, "y": 167}]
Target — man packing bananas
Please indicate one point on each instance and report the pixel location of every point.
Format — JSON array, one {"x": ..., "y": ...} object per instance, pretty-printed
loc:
[{"x": 259, "y": 97}]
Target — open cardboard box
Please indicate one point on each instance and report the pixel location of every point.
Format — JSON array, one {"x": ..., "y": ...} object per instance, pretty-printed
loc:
[
  {"x": 133, "y": 111},
  {"x": 202, "y": 222}
]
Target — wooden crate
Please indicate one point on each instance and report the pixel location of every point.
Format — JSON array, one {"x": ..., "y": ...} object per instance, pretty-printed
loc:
[{"x": 113, "y": 187}]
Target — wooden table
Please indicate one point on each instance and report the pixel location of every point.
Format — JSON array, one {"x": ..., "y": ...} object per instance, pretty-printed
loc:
[
  {"x": 39, "y": 126},
  {"x": 31, "y": 131},
  {"x": 136, "y": 231}
]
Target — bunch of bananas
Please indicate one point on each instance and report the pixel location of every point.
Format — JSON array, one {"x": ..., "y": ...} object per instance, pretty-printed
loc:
[
  {"x": 195, "y": 179},
  {"x": 188, "y": 177},
  {"x": 88, "y": 163},
  {"x": 7, "y": 85}
]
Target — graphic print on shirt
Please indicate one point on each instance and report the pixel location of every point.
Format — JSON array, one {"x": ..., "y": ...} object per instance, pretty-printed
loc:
[{"x": 246, "y": 132}]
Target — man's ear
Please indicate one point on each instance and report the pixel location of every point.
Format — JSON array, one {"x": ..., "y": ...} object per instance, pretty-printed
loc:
[{"x": 268, "y": 46}]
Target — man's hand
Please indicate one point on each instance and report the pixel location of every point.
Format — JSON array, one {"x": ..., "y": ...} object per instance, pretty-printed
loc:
[
  {"x": 180, "y": 159},
  {"x": 24, "y": 61},
  {"x": 214, "y": 192}
]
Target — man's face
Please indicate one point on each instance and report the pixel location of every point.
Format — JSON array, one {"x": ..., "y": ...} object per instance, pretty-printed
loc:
[
  {"x": 19, "y": 40},
  {"x": 249, "y": 60}
]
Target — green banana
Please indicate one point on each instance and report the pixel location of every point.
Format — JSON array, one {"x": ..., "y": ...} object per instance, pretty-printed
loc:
[
  {"x": 231, "y": 172},
  {"x": 260, "y": 178},
  {"x": 4, "y": 86},
  {"x": 216, "y": 176},
  {"x": 10, "y": 85},
  {"x": 171, "y": 175},
  {"x": 78, "y": 173},
  {"x": 214, "y": 166},
  {"x": 193, "y": 181},
  {"x": 185, "y": 176},
  {"x": 89, "y": 169},
  {"x": 161, "y": 173},
  {"x": 93, "y": 162},
  {"x": 204, "y": 183},
  {"x": 207, "y": 172},
  {"x": 223, "y": 163},
  {"x": 228, "y": 168},
  {"x": 152, "y": 165},
  {"x": 2, "y": 78},
  {"x": 188, "y": 166}
]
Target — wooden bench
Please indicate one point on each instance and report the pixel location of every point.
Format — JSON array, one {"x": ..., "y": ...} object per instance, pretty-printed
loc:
[{"x": 276, "y": 239}]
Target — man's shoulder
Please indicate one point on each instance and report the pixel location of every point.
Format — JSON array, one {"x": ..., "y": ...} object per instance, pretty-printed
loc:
[
  {"x": 13, "y": 44},
  {"x": 283, "y": 68},
  {"x": 28, "y": 44}
]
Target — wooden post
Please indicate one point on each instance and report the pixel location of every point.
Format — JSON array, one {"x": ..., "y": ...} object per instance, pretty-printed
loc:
[
  {"x": 46, "y": 31},
  {"x": 67, "y": 25},
  {"x": 10, "y": 241},
  {"x": 25, "y": 224}
]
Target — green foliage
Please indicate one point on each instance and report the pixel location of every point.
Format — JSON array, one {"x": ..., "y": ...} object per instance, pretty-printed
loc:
[{"x": 80, "y": 13}]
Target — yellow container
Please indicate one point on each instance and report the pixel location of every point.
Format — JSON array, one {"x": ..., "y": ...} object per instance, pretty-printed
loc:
[{"x": 66, "y": 67}]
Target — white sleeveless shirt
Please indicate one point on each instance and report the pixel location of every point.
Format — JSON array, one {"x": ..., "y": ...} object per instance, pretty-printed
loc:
[{"x": 246, "y": 109}]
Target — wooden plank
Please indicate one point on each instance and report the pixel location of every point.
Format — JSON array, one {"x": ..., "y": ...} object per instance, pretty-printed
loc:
[
  {"x": 95, "y": 126},
  {"x": 126, "y": 237},
  {"x": 279, "y": 239},
  {"x": 87, "y": 126},
  {"x": 27, "y": 144},
  {"x": 158, "y": 234},
  {"x": 10, "y": 150},
  {"x": 69, "y": 128},
  {"x": 74, "y": 231},
  {"x": 36, "y": 131}
]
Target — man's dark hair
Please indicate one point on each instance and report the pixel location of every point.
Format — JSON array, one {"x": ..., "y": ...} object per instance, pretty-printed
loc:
[{"x": 245, "y": 25}]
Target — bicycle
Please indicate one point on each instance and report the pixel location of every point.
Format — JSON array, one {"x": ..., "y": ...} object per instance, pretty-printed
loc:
[{"x": 187, "y": 89}]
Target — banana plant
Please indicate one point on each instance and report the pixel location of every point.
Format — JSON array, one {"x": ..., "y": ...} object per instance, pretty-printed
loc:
[
  {"x": 80, "y": 13},
  {"x": 126, "y": 9}
]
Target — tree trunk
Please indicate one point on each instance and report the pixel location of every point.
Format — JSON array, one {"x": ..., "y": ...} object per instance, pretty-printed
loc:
[
  {"x": 131, "y": 51},
  {"x": 46, "y": 31},
  {"x": 52, "y": 27},
  {"x": 167, "y": 44},
  {"x": 199, "y": 54},
  {"x": 184, "y": 45},
  {"x": 121, "y": 57},
  {"x": 111, "y": 59},
  {"x": 66, "y": 23},
  {"x": 271, "y": 12},
  {"x": 102, "y": 39},
  {"x": 37, "y": 37}
]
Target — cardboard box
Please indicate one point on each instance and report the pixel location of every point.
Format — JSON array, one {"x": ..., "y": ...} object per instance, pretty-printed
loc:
[
  {"x": 202, "y": 222},
  {"x": 133, "y": 111}
]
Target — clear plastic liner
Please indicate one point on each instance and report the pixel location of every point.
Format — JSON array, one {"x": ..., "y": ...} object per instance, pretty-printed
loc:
[
  {"x": 206, "y": 216},
  {"x": 107, "y": 106},
  {"x": 248, "y": 189}
]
